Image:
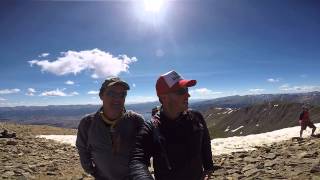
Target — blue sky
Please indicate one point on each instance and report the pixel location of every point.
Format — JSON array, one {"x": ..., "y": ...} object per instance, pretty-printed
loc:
[{"x": 59, "y": 52}]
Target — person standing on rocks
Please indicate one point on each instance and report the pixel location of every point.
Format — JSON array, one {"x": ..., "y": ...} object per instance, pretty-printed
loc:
[
  {"x": 105, "y": 138},
  {"x": 305, "y": 121},
  {"x": 176, "y": 137}
]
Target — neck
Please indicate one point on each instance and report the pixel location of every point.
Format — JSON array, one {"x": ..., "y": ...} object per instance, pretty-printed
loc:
[
  {"x": 171, "y": 114},
  {"x": 111, "y": 117}
]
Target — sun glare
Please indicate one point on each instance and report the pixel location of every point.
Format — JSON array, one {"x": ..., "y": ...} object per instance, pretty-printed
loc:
[{"x": 153, "y": 5}]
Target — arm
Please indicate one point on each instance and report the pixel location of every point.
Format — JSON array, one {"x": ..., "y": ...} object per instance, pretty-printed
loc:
[
  {"x": 206, "y": 147},
  {"x": 82, "y": 146},
  {"x": 140, "y": 156}
]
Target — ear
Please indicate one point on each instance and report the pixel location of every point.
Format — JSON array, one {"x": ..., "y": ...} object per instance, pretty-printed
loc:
[{"x": 163, "y": 98}]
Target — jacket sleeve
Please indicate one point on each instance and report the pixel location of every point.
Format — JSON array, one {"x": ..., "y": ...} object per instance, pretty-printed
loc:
[
  {"x": 206, "y": 146},
  {"x": 301, "y": 116},
  {"x": 141, "y": 153},
  {"x": 82, "y": 146}
]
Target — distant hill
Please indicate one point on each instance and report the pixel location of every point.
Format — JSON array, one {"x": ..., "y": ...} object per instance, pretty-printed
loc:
[
  {"x": 70, "y": 115},
  {"x": 62, "y": 115},
  {"x": 226, "y": 122}
]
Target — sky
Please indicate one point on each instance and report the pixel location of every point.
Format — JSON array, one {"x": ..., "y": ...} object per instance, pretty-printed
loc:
[
  {"x": 59, "y": 52},
  {"x": 226, "y": 145}
]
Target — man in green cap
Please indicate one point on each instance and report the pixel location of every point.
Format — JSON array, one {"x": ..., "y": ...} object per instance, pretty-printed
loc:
[{"x": 105, "y": 138}]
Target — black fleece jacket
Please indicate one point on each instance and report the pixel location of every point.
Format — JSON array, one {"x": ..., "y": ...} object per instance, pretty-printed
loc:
[{"x": 185, "y": 151}]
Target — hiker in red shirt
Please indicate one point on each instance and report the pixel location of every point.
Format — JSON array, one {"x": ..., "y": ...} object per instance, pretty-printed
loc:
[{"x": 304, "y": 121}]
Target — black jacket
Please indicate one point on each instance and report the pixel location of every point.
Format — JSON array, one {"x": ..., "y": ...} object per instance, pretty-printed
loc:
[{"x": 181, "y": 149}]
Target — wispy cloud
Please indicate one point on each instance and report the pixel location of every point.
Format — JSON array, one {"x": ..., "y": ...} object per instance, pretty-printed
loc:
[
  {"x": 69, "y": 82},
  {"x": 273, "y": 80},
  {"x": 9, "y": 91},
  {"x": 101, "y": 64},
  {"x": 303, "y": 88},
  {"x": 74, "y": 93},
  {"x": 44, "y": 55},
  {"x": 303, "y": 75},
  {"x": 93, "y": 92},
  {"x": 204, "y": 93},
  {"x": 160, "y": 53},
  {"x": 30, "y": 92},
  {"x": 256, "y": 91},
  {"x": 2, "y": 99},
  {"x": 58, "y": 92}
]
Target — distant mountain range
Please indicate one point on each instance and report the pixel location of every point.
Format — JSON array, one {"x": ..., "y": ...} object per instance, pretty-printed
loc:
[
  {"x": 70, "y": 115},
  {"x": 312, "y": 98}
]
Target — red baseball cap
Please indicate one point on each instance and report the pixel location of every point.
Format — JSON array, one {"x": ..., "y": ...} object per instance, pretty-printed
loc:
[{"x": 172, "y": 81}]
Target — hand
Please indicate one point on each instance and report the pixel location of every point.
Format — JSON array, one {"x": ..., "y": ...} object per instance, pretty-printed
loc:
[{"x": 207, "y": 175}]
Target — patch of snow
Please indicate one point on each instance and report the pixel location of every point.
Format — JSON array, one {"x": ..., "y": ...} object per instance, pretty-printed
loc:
[
  {"x": 67, "y": 139},
  {"x": 246, "y": 143},
  {"x": 227, "y": 129},
  {"x": 237, "y": 129},
  {"x": 257, "y": 125},
  {"x": 226, "y": 145},
  {"x": 276, "y": 105}
]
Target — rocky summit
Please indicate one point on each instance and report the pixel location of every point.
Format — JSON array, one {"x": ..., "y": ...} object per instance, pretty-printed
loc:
[{"x": 28, "y": 157}]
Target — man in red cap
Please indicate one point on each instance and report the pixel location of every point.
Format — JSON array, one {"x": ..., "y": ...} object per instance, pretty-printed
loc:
[{"x": 176, "y": 137}]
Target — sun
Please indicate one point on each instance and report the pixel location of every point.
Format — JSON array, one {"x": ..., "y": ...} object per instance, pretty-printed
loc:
[{"x": 154, "y": 6}]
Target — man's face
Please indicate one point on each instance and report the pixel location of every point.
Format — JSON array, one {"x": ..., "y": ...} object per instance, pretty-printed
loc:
[
  {"x": 178, "y": 100},
  {"x": 113, "y": 99}
]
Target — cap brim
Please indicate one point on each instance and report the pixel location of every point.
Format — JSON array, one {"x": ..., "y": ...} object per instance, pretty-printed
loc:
[{"x": 187, "y": 83}]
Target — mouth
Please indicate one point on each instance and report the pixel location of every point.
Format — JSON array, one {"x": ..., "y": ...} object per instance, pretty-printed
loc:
[{"x": 117, "y": 106}]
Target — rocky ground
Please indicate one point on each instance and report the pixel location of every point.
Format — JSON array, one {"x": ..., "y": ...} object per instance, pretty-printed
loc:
[{"x": 27, "y": 157}]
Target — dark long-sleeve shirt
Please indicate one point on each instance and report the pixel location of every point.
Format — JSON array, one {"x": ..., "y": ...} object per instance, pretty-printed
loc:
[{"x": 186, "y": 150}]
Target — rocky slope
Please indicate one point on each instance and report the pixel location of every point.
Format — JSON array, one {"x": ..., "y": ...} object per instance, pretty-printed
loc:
[
  {"x": 255, "y": 119},
  {"x": 27, "y": 157}
]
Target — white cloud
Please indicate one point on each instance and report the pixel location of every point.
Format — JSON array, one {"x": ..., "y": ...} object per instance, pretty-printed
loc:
[
  {"x": 31, "y": 92},
  {"x": 134, "y": 85},
  {"x": 93, "y": 92},
  {"x": 256, "y": 91},
  {"x": 58, "y": 92},
  {"x": 74, "y": 93},
  {"x": 44, "y": 55},
  {"x": 203, "y": 93},
  {"x": 272, "y": 80},
  {"x": 2, "y": 99},
  {"x": 69, "y": 82},
  {"x": 101, "y": 64},
  {"x": 9, "y": 91},
  {"x": 303, "y": 88}
]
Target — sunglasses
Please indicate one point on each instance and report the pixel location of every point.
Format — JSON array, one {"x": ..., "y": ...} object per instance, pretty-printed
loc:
[
  {"x": 114, "y": 94},
  {"x": 181, "y": 91}
]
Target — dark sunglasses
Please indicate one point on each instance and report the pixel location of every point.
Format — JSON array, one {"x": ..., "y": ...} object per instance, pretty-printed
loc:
[
  {"x": 181, "y": 91},
  {"x": 114, "y": 94}
]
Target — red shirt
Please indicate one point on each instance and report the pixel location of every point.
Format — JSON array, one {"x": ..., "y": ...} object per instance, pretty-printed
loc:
[{"x": 304, "y": 116}]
